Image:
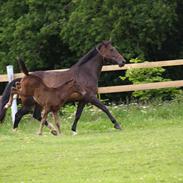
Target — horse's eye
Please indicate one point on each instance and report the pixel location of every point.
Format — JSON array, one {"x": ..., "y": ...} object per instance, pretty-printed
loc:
[{"x": 112, "y": 49}]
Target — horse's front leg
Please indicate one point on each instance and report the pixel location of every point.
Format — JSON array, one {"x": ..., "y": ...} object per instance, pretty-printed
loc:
[
  {"x": 93, "y": 100},
  {"x": 37, "y": 115},
  {"x": 57, "y": 122},
  {"x": 79, "y": 111},
  {"x": 42, "y": 123}
]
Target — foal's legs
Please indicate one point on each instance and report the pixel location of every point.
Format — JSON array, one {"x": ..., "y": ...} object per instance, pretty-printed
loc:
[
  {"x": 43, "y": 120},
  {"x": 101, "y": 106},
  {"x": 37, "y": 115},
  {"x": 79, "y": 111},
  {"x": 57, "y": 123}
]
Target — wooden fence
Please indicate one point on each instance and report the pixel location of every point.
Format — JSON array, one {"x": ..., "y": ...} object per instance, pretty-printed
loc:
[{"x": 125, "y": 88}]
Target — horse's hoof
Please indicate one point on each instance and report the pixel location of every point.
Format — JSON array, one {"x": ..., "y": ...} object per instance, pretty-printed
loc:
[
  {"x": 74, "y": 133},
  {"x": 54, "y": 132},
  {"x": 117, "y": 126},
  {"x": 14, "y": 129},
  {"x": 39, "y": 133}
]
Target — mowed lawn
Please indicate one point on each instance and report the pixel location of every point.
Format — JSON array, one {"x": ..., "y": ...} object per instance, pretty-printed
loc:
[{"x": 148, "y": 150}]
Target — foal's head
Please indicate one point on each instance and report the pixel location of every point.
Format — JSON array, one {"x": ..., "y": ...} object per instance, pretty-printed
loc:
[
  {"x": 74, "y": 86},
  {"x": 107, "y": 51}
]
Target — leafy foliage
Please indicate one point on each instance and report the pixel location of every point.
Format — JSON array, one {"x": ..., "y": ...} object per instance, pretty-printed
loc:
[
  {"x": 31, "y": 29},
  {"x": 52, "y": 34},
  {"x": 149, "y": 75},
  {"x": 136, "y": 28}
]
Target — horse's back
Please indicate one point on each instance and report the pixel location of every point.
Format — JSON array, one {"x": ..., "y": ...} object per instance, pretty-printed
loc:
[{"x": 54, "y": 79}]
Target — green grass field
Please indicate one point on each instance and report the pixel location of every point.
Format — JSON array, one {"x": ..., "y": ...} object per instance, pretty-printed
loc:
[{"x": 148, "y": 150}]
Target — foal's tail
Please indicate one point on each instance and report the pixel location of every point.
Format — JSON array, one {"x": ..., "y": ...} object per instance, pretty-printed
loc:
[
  {"x": 5, "y": 98},
  {"x": 22, "y": 66}
]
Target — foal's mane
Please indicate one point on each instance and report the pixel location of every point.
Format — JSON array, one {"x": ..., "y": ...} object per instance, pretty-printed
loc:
[{"x": 88, "y": 56}]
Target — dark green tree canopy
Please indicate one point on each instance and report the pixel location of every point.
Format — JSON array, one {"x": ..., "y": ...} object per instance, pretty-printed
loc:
[
  {"x": 54, "y": 34},
  {"x": 138, "y": 28}
]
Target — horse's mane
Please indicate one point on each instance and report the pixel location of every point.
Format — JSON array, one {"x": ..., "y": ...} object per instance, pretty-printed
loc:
[{"x": 88, "y": 56}]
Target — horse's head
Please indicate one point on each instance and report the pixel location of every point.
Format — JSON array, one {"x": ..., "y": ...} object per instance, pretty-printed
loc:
[{"x": 107, "y": 51}]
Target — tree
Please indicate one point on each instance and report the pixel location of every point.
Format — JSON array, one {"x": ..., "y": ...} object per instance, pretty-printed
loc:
[
  {"x": 31, "y": 29},
  {"x": 138, "y": 28}
]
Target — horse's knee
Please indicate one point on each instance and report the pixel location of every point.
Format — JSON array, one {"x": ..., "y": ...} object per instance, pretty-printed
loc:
[{"x": 77, "y": 118}]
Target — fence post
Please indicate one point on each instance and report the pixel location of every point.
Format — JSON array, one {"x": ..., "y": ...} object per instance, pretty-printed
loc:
[{"x": 10, "y": 73}]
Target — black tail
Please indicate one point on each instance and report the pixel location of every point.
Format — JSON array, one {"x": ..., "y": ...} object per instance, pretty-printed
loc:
[
  {"x": 5, "y": 97},
  {"x": 22, "y": 66}
]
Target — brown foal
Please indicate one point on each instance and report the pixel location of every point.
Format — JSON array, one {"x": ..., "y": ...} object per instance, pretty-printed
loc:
[{"x": 50, "y": 99}]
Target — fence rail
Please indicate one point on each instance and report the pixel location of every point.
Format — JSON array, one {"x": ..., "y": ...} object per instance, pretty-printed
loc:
[
  {"x": 125, "y": 88},
  {"x": 136, "y": 87}
]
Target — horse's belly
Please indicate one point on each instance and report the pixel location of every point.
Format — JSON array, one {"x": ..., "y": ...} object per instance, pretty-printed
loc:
[{"x": 75, "y": 96}]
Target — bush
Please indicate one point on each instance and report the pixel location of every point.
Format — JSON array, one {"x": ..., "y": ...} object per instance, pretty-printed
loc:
[{"x": 149, "y": 75}]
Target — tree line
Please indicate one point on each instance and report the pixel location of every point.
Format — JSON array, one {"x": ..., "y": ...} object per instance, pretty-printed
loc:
[{"x": 55, "y": 34}]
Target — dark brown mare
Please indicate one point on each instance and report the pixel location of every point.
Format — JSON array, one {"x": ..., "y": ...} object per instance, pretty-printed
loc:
[
  {"x": 87, "y": 71},
  {"x": 50, "y": 99}
]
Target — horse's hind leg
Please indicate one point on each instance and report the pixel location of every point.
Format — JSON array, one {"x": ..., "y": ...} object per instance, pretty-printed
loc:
[
  {"x": 12, "y": 93},
  {"x": 18, "y": 85},
  {"x": 79, "y": 111},
  {"x": 18, "y": 116}
]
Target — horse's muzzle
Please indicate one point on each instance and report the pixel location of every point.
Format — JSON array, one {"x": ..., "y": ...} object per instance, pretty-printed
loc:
[{"x": 121, "y": 63}]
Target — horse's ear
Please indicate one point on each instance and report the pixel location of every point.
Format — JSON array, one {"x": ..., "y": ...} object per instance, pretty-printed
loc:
[{"x": 106, "y": 43}]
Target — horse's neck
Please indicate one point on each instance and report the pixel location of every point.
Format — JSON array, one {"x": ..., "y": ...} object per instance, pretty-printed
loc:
[
  {"x": 38, "y": 85},
  {"x": 93, "y": 67}
]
